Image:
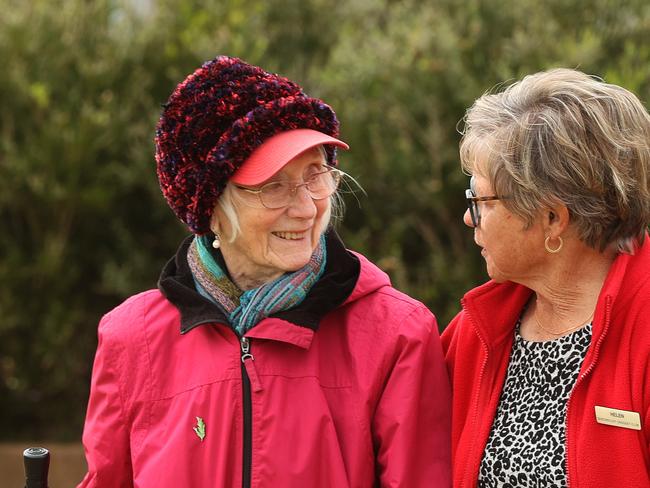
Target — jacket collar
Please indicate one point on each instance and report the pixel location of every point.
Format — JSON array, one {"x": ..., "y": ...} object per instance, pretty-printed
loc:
[
  {"x": 494, "y": 308},
  {"x": 297, "y": 325},
  {"x": 370, "y": 279}
]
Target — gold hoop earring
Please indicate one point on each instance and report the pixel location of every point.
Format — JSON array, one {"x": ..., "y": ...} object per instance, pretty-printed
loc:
[{"x": 549, "y": 249}]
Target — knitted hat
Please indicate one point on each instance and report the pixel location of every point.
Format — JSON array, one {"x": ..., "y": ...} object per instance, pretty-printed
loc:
[{"x": 216, "y": 119}]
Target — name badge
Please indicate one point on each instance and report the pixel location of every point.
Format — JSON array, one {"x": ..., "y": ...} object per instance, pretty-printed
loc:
[{"x": 618, "y": 418}]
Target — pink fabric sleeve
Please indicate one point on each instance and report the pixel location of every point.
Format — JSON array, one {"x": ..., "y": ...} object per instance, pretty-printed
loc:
[
  {"x": 106, "y": 431},
  {"x": 411, "y": 426}
]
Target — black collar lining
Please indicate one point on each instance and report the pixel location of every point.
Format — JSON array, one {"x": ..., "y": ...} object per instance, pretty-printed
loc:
[{"x": 341, "y": 273}]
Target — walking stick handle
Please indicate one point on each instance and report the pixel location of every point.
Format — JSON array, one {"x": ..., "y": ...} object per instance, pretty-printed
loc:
[{"x": 37, "y": 465}]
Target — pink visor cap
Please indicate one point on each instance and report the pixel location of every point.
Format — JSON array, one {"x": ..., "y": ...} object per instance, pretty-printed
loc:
[{"x": 277, "y": 151}]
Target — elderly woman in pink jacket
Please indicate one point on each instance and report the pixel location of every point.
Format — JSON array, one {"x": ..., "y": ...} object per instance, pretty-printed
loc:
[{"x": 269, "y": 355}]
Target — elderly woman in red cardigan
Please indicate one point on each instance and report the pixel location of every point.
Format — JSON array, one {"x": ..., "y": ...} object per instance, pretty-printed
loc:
[{"x": 550, "y": 360}]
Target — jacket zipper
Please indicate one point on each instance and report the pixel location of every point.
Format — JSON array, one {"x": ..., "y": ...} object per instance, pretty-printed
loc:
[
  {"x": 476, "y": 409},
  {"x": 478, "y": 393},
  {"x": 250, "y": 382},
  {"x": 578, "y": 381},
  {"x": 246, "y": 390}
]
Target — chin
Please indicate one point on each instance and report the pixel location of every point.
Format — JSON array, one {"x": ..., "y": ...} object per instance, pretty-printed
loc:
[
  {"x": 498, "y": 279},
  {"x": 295, "y": 265},
  {"x": 289, "y": 264},
  {"x": 495, "y": 276}
]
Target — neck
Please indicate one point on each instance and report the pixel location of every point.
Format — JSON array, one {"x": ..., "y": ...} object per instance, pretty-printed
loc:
[
  {"x": 245, "y": 282},
  {"x": 566, "y": 295},
  {"x": 247, "y": 279}
]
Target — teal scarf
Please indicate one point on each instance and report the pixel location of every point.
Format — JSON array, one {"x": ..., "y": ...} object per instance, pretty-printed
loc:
[{"x": 245, "y": 309}]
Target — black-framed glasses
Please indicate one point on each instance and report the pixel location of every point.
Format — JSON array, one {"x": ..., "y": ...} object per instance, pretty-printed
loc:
[
  {"x": 278, "y": 194},
  {"x": 472, "y": 204}
]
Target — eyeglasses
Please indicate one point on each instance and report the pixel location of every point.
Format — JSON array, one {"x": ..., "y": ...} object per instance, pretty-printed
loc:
[
  {"x": 472, "y": 204},
  {"x": 278, "y": 194}
]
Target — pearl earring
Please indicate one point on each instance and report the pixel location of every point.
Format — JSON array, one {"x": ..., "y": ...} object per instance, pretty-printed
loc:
[{"x": 216, "y": 243}]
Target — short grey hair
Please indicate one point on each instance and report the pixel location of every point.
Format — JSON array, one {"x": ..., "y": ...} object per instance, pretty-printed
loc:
[{"x": 564, "y": 136}]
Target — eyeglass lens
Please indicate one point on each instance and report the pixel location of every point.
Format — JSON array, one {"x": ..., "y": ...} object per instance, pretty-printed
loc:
[
  {"x": 472, "y": 205},
  {"x": 279, "y": 194}
]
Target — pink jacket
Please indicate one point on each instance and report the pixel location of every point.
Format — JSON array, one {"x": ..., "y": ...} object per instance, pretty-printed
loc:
[
  {"x": 360, "y": 400},
  {"x": 615, "y": 374}
]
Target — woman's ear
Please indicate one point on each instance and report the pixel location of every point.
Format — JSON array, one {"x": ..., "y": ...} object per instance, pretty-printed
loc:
[
  {"x": 556, "y": 219},
  {"x": 214, "y": 223}
]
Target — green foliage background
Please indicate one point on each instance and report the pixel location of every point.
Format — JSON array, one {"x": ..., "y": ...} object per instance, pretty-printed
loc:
[{"x": 82, "y": 221}]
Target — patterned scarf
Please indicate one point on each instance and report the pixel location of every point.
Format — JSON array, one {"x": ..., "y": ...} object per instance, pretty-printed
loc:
[{"x": 245, "y": 309}]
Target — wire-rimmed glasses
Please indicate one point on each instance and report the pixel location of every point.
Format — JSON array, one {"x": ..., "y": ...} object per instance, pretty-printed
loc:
[{"x": 278, "y": 194}]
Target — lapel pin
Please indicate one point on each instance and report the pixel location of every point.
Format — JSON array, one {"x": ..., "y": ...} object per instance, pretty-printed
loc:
[{"x": 200, "y": 428}]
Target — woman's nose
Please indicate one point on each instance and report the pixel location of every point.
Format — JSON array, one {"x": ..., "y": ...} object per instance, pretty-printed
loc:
[
  {"x": 467, "y": 218},
  {"x": 302, "y": 204}
]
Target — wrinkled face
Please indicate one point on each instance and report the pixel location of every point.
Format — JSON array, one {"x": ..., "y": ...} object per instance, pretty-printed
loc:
[
  {"x": 276, "y": 241},
  {"x": 511, "y": 252}
]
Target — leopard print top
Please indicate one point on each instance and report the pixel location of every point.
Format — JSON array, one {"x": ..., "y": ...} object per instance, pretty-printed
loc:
[{"x": 526, "y": 446}]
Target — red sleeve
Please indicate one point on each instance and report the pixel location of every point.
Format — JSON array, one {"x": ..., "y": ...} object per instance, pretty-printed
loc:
[
  {"x": 106, "y": 432},
  {"x": 411, "y": 426},
  {"x": 449, "y": 341}
]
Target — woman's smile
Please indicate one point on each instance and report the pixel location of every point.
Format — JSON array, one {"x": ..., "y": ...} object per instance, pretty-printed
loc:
[
  {"x": 280, "y": 240},
  {"x": 291, "y": 235}
]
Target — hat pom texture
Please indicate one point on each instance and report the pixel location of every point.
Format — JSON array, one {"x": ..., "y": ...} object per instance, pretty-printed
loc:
[{"x": 212, "y": 123}]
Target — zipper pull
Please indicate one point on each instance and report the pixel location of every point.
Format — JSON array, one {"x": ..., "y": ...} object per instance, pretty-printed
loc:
[{"x": 249, "y": 363}]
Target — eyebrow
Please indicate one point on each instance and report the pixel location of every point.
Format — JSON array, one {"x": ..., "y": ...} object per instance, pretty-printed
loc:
[{"x": 278, "y": 177}]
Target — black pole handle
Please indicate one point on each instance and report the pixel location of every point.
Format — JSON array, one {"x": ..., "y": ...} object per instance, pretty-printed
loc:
[{"x": 37, "y": 465}]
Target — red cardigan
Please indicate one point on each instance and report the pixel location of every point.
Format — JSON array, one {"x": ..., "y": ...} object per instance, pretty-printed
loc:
[{"x": 615, "y": 374}]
